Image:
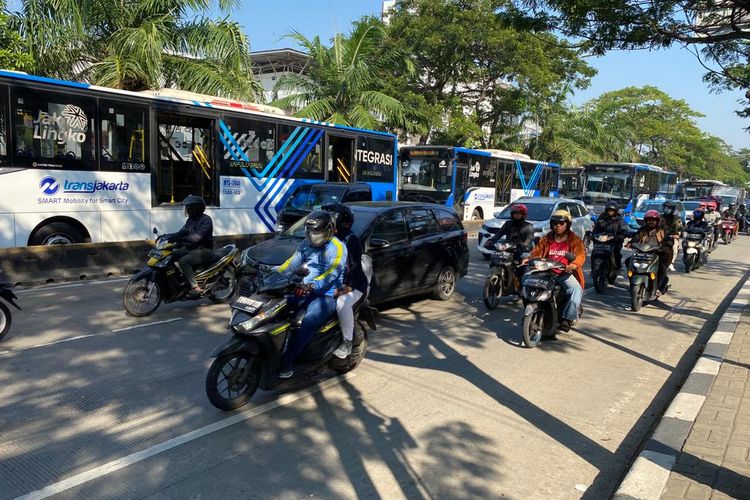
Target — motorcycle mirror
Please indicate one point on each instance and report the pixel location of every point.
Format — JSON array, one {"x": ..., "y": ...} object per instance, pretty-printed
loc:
[
  {"x": 302, "y": 271},
  {"x": 156, "y": 231}
]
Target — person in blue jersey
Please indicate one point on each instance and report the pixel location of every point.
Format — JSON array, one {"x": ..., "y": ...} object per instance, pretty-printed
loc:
[{"x": 326, "y": 258}]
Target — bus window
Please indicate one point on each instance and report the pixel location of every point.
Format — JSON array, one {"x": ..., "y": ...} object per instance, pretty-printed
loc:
[
  {"x": 124, "y": 140},
  {"x": 303, "y": 153},
  {"x": 186, "y": 163},
  {"x": 340, "y": 150},
  {"x": 504, "y": 175},
  {"x": 249, "y": 144},
  {"x": 53, "y": 130},
  {"x": 3, "y": 125},
  {"x": 374, "y": 159}
]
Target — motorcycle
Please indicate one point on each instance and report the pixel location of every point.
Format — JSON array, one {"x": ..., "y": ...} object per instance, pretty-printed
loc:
[
  {"x": 728, "y": 230},
  {"x": 603, "y": 268},
  {"x": 543, "y": 299},
  {"x": 643, "y": 269},
  {"x": 694, "y": 247},
  {"x": 262, "y": 325},
  {"x": 162, "y": 280},
  {"x": 502, "y": 280},
  {"x": 5, "y": 317}
]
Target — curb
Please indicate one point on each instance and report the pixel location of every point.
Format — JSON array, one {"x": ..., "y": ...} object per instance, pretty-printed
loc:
[{"x": 648, "y": 475}]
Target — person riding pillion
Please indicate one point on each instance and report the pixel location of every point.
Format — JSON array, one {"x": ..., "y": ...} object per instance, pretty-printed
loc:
[
  {"x": 564, "y": 246},
  {"x": 196, "y": 240},
  {"x": 612, "y": 222},
  {"x": 672, "y": 226},
  {"x": 326, "y": 258},
  {"x": 356, "y": 281},
  {"x": 652, "y": 233}
]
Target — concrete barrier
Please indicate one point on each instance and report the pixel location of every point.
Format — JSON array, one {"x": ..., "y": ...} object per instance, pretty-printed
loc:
[{"x": 44, "y": 264}]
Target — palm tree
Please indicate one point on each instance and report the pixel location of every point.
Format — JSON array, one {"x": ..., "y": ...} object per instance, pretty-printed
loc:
[
  {"x": 343, "y": 81},
  {"x": 140, "y": 44}
]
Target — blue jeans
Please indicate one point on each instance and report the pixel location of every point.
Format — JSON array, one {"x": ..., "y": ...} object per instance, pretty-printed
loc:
[
  {"x": 574, "y": 292},
  {"x": 319, "y": 309}
]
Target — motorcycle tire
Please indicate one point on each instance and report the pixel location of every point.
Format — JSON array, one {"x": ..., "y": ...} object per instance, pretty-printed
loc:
[
  {"x": 226, "y": 293},
  {"x": 493, "y": 290},
  {"x": 359, "y": 349},
  {"x": 689, "y": 263},
  {"x": 725, "y": 239},
  {"x": 599, "y": 273},
  {"x": 636, "y": 297},
  {"x": 5, "y": 320},
  {"x": 130, "y": 303},
  {"x": 245, "y": 391},
  {"x": 533, "y": 328}
]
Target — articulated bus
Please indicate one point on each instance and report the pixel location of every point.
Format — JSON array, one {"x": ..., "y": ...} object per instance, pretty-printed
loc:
[
  {"x": 695, "y": 190},
  {"x": 476, "y": 182},
  {"x": 625, "y": 184},
  {"x": 81, "y": 163}
]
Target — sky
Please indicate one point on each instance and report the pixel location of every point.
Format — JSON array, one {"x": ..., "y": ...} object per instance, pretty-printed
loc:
[{"x": 675, "y": 71}]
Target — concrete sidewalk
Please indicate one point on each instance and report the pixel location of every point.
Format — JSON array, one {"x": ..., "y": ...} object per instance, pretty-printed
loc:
[
  {"x": 701, "y": 447},
  {"x": 715, "y": 459}
]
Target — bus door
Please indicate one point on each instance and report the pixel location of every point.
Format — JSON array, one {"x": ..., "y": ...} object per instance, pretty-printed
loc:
[
  {"x": 340, "y": 158},
  {"x": 461, "y": 186},
  {"x": 186, "y": 159}
]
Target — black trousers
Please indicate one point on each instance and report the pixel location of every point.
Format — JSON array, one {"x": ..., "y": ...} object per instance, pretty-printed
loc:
[{"x": 190, "y": 259}]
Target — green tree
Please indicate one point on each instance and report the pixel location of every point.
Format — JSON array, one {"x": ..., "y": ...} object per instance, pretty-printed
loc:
[
  {"x": 344, "y": 81},
  {"x": 139, "y": 44},
  {"x": 466, "y": 52},
  {"x": 13, "y": 54}
]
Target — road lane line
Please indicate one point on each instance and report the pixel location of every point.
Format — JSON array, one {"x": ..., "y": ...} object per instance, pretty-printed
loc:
[
  {"x": 45, "y": 288},
  {"x": 79, "y": 337},
  {"x": 121, "y": 463}
]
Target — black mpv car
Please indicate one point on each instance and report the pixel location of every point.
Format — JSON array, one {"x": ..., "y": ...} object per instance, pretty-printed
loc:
[{"x": 415, "y": 248}]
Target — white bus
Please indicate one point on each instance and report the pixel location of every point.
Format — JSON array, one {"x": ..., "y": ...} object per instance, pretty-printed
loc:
[
  {"x": 476, "y": 182},
  {"x": 80, "y": 163}
]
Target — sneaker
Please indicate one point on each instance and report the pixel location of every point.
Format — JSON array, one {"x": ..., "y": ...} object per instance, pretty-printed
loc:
[
  {"x": 671, "y": 267},
  {"x": 344, "y": 350},
  {"x": 286, "y": 370},
  {"x": 565, "y": 325}
]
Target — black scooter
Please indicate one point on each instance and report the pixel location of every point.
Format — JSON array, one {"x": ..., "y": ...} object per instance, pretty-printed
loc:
[
  {"x": 694, "y": 249},
  {"x": 544, "y": 300},
  {"x": 502, "y": 280},
  {"x": 7, "y": 294},
  {"x": 603, "y": 266},
  {"x": 643, "y": 270},
  {"x": 262, "y": 325}
]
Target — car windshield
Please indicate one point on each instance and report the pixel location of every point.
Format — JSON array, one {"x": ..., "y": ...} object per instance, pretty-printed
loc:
[
  {"x": 605, "y": 184},
  {"x": 691, "y": 205},
  {"x": 362, "y": 220},
  {"x": 537, "y": 211},
  {"x": 427, "y": 171},
  {"x": 650, "y": 205}
]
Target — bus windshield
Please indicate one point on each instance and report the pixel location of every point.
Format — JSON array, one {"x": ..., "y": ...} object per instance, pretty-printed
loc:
[
  {"x": 602, "y": 187},
  {"x": 427, "y": 171}
]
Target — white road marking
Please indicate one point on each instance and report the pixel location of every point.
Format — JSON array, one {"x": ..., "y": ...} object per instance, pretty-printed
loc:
[
  {"x": 46, "y": 288},
  {"x": 121, "y": 463},
  {"x": 685, "y": 406},
  {"x": 79, "y": 337}
]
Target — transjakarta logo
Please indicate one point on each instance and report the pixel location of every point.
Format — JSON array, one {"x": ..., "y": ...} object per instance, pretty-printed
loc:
[
  {"x": 50, "y": 186},
  {"x": 366, "y": 156}
]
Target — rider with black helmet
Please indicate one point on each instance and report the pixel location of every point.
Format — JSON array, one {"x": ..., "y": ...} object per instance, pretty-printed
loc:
[
  {"x": 196, "y": 239},
  {"x": 325, "y": 256},
  {"x": 612, "y": 222},
  {"x": 672, "y": 226},
  {"x": 355, "y": 278}
]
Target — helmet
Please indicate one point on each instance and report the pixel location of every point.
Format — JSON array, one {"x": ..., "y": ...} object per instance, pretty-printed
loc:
[
  {"x": 651, "y": 215},
  {"x": 742, "y": 205},
  {"x": 669, "y": 207},
  {"x": 341, "y": 213},
  {"x": 711, "y": 205},
  {"x": 560, "y": 216},
  {"x": 319, "y": 228},
  {"x": 194, "y": 205},
  {"x": 519, "y": 208},
  {"x": 697, "y": 214},
  {"x": 611, "y": 205}
]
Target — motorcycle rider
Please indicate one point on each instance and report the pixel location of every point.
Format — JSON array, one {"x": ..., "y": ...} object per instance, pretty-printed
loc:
[
  {"x": 698, "y": 222},
  {"x": 731, "y": 213},
  {"x": 652, "y": 233},
  {"x": 672, "y": 227},
  {"x": 196, "y": 239},
  {"x": 713, "y": 218},
  {"x": 564, "y": 246},
  {"x": 326, "y": 258},
  {"x": 355, "y": 279},
  {"x": 613, "y": 223},
  {"x": 742, "y": 216},
  {"x": 518, "y": 231}
]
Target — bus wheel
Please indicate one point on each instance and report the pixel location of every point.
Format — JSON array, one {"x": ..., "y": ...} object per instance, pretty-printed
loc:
[
  {"x": 476, "y": 215},
  {"x": 56, "y": 233}
]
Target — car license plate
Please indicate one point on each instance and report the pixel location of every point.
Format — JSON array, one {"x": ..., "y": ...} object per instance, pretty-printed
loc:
[{"x": 247, "y": 305}]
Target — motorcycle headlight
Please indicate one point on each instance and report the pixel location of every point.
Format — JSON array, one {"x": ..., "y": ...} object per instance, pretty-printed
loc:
[
  {"x": 692, "y": 243},
  {"x": 270, "y": 310},
  {"x": 640, "y": 265},
  {"x": 545, "y": 295},
  {"x": 502, "y": 246}
]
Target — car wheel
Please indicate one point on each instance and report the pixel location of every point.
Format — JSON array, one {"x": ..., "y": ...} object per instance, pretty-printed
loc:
[{"x": 445, "y": 284}]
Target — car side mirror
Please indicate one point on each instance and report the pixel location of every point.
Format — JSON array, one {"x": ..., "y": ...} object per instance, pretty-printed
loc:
[
  {"x": 378, "y": 243},
  {"x": 496, "y": 215}
]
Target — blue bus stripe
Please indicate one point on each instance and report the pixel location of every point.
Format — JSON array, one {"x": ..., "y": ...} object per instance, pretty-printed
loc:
[
  {"x": 280, "y": 152},
  {"x": 230, "y": 137},
  {"x": 287, "y": 154},
  {"x": 226, "y": 146}
]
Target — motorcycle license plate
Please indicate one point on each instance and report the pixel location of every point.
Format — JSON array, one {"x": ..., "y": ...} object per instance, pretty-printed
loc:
[
  {"x": 535, "y": 282},
  {"x": 247, "y": 305},
  {"x": 602, "y": 247},
  {"x": 500, "y": 255}
]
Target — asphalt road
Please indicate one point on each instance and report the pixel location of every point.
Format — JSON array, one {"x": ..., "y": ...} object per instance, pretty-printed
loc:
[{"x": 447, "y": 404}]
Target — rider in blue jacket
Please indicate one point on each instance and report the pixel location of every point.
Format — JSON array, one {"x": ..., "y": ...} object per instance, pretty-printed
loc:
[{"x": 325, "y": 256}]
